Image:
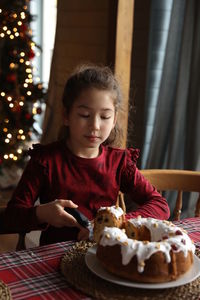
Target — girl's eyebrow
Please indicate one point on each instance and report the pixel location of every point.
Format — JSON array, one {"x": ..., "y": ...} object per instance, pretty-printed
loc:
[{"x": 87, "y": 107}]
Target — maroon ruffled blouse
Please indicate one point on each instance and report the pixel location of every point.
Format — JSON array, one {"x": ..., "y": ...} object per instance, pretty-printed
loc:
[{"x": 53, "y": 172}]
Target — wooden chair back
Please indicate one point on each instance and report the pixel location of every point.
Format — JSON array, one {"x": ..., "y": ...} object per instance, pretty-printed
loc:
[{"x": 178, "y": 180}]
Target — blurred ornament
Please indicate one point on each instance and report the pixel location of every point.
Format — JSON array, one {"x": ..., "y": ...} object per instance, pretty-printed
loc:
[
  {"x": 22, "y": 35},
  {"x": 23, "y": 28},
  {"x": 39, "y": 110},
  {"x": 16, "y": 107},
  {"x": 11, "y": 77},
  {"x": 31, "y": 54},
  {"x": 28, "y": 116},
  {"x": 39, "y": 86}
]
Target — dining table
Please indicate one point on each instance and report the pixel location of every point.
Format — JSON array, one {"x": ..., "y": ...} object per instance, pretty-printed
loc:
[{"x": 36, "y": 273}]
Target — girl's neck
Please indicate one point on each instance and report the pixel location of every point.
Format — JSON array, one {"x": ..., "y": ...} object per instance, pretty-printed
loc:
[{"x": 83, "y": 152}]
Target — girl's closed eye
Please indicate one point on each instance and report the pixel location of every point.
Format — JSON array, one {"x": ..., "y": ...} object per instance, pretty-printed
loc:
[
  {"x": 105, "y": 117},
  {"x": 87, "y": 116},
  {"x": 84, "y": 115}
]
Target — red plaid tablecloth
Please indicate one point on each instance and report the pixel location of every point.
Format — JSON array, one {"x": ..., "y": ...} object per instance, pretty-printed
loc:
[
  {"x": 34, "y": 273},
  {"x": 192, "y": 225}
]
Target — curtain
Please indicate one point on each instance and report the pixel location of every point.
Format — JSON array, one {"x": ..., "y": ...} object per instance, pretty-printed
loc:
[{"x": 175, "y": 140}]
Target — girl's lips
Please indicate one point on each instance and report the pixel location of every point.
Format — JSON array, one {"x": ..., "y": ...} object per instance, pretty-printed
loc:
[{"x": 92, "y": 138}]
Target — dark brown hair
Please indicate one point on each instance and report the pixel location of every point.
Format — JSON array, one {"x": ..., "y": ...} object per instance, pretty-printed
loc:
[{"x": 93, "y": 76}]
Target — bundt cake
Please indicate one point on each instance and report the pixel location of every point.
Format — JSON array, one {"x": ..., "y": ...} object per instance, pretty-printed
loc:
[{"x": 146, "y": 250}]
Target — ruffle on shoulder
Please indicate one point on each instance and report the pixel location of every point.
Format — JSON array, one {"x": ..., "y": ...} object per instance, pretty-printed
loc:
[
  {"x": 128, "y": 172},
  {"x": 37, "y": 153},
  {"x": 132, "y": 156}
]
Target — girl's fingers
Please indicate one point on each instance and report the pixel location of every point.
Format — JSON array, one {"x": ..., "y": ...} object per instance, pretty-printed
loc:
[
  {"x": 70, "y": 220},
  {"x": 66, "y": 203}
]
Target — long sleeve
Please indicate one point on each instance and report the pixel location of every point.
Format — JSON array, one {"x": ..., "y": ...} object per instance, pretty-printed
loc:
[
  {"x": 150, "y": 202},
  {"x": 21, "y": 212}
]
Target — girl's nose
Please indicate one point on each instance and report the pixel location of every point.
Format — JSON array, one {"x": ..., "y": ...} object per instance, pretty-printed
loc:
[{"x": 95, "y": 123}]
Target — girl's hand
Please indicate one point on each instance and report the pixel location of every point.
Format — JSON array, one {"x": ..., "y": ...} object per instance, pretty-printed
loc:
[{"x": 54, "y": 214}]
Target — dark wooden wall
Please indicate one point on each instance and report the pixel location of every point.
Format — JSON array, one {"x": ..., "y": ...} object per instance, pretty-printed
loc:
[
  {"x": 106, "y": 32},
  {"x": 85, "y": 32},
  {"x": 138, "y": 74}
]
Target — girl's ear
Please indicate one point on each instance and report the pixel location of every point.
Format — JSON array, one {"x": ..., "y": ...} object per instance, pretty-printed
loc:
[{"x": 115, "y": 120}]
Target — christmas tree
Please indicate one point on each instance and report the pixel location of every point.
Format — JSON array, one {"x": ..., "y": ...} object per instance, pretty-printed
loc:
[{"x": 21, "y": 96}]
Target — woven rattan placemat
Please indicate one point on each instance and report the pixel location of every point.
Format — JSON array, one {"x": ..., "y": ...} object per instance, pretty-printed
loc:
[
  {"x": 4, "y": 292},
  {"x": 75, "y": 271}
]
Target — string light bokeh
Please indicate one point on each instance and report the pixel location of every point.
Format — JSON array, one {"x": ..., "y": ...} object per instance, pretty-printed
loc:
[{"x": 21, "y": 93}]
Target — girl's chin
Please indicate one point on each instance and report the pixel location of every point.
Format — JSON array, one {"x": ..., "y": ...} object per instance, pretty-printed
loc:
[{"x": 93, "y": 146}]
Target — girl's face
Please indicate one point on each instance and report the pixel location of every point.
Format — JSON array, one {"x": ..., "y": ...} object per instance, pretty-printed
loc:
[{"x": 90, "y": 121}]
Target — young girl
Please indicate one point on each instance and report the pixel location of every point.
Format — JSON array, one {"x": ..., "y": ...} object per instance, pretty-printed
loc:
[{"x": 81, "y": 170}]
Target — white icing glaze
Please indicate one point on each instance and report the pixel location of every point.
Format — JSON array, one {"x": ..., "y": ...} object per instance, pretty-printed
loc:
[
  {"x": 177, "y": 241},
  {"x": 115, "y": 210}
]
